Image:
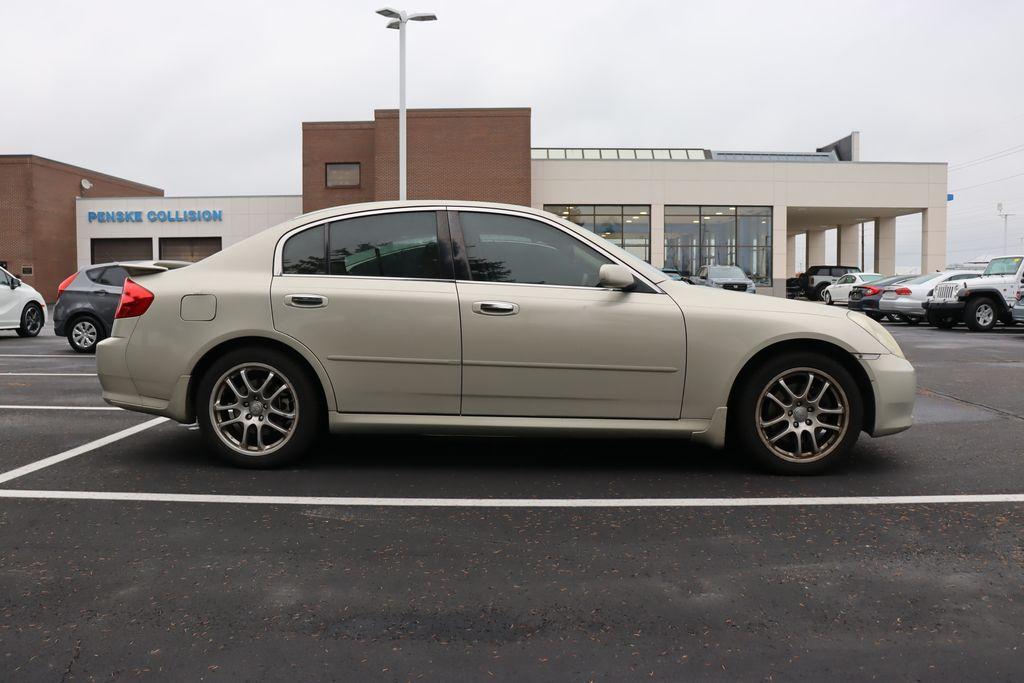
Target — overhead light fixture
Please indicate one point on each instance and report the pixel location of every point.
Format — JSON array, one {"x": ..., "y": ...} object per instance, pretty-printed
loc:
[{"x": 643, "y": 213}]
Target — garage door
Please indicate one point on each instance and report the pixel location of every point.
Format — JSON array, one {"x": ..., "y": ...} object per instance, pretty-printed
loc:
[
  {"x": 124, "y": 249},
  {"x": 188, "y": 248}
]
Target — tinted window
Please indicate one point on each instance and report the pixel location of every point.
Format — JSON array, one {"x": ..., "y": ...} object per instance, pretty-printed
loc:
[
  {"x": 504, "y": 248},
  {"x": 4, "y": 278},
  {"x": 388, "y": 245},
  {"x": 111, "y": 277},
  {"x": 303, "y": 254}
]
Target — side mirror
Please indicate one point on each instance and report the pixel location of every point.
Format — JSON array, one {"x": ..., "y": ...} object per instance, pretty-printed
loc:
[
  {"x": 15, "y": 283},
  {"x": 614, "y": 276}
]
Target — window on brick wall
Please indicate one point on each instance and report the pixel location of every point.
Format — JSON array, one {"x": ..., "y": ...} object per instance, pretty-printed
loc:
[{"x": 343, "y": 174}]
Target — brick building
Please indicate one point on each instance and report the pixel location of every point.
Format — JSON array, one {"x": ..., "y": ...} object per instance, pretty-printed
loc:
[
  {"x": 468, "y": 154},
  {"x": 37, "y": 215}
]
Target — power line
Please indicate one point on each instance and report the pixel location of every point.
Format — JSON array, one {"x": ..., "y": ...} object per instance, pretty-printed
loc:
[
  {"x": 990, "y": 182},
  {"x": 1016, "y": 149}
]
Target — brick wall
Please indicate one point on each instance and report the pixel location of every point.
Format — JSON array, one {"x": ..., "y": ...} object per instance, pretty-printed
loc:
[
  {"x": 336, "y": 142},
  {"x": 467, "y": 154},
  {"x": 37, "y": 208}
]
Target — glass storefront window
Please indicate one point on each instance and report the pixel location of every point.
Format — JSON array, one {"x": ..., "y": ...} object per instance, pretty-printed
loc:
[
  {"x": 628, "y": 226},
  {"x": 719, "y": 235}
]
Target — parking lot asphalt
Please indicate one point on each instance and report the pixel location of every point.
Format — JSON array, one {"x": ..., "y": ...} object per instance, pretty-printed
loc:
[{"x": 314, "y": 588}]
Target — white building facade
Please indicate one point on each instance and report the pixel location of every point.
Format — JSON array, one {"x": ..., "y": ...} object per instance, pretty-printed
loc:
[{"x": 177, "y": 228}]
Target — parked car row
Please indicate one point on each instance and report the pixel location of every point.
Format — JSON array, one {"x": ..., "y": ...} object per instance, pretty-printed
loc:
[{"x": 980, "y": 299}]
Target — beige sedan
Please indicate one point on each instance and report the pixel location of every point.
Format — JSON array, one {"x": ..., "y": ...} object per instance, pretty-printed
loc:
[{"x": 459, "y": 317}]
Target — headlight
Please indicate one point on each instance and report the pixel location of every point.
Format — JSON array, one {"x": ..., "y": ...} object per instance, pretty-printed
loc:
[{"x": 877, "y": 331}]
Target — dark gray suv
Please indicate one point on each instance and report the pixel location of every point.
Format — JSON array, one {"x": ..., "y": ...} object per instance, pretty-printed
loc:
[{"x": 86, "y": 302}]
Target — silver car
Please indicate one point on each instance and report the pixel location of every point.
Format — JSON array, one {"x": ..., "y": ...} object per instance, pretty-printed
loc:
[
  {"x": 906, "y": 299},
  {"x": 730, "y": 278},
  {"x": 434, "y": 317}
]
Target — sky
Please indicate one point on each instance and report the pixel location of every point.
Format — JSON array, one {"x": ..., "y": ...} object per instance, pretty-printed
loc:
[{"x": 207, "y": 98}]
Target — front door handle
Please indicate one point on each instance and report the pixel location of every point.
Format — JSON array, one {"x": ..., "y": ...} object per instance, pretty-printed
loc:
[
  {"x": 305, "y": 300},
  {"x": 495, "y": 308}
]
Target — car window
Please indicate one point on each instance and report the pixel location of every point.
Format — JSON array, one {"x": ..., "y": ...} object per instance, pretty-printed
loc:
[
  {"x": 502, "y": 248},
  {"x": 112, "y": 276},
  {"x": 845, "y": 280},
  {"x": 5, "y": 279},
  {"x": 402, "y": 244},
  {"x": 726, "y": 271},
  {"x": 961, "y": 276},
  {"x": 304, "y": 253}
]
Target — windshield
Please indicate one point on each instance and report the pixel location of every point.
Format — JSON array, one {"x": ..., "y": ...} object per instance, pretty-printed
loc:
[
  {"x": 1007, "y": 265},
  {"x": 726, "y": 271}
]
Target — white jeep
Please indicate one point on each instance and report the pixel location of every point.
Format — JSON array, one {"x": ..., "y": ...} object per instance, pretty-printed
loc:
[{"x": 980, "y": 302}]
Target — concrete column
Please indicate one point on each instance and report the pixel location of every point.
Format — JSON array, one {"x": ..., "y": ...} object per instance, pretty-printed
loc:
[
  {"x": 885, "y": 246},
  {"x": 815, "y": 248},
  {"x": 933, "y": 239},
  {"x": 848, "y": 245},
  {"x": 791, "y": 256},
  {"x": 780, "y": 240},
  {"x": 658, "y": 235}
]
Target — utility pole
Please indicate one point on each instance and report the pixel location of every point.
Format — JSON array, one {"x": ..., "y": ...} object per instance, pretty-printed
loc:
[{"x": 1006, "y": 234}]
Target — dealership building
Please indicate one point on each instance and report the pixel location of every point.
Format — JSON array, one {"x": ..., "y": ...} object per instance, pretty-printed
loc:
[{"x": 675, "y": 206}]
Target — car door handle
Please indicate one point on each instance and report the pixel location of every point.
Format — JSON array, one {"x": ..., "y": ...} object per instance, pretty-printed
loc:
[
  {"x": 495, "y": 308},
  {"x": 305, "y": 300}
]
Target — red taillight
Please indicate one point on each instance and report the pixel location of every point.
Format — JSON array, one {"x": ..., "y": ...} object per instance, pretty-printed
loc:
[
  {"x": 903, "y": 291},
  {"x": 135, "y": 300},
  {"x": 67, "y": 281},
  {"x": 871, "y": 291}
]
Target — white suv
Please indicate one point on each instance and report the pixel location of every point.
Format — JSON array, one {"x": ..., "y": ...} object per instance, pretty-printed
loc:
[
  {"x": 22, "y": 309},
  {"x": 980, "y": 302}
]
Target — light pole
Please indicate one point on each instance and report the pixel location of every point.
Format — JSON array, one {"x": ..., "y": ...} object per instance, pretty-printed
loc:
[
  {"x": 398, "y": 20},
  {"x": 1006, "y": 216}
]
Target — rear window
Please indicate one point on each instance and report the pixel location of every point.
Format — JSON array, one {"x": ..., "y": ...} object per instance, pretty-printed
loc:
[{"x": 112, "y": 276}]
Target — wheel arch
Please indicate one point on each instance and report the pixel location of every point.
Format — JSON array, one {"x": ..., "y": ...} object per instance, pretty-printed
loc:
[
  {"x": 77, "y": 315},
  {"x": 209, "y": 356},
  {"x": 995, "y": 295},
  {"x": 825, "y": 348}
]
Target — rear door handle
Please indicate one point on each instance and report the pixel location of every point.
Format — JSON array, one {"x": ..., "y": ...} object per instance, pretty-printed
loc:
[
  {"x": 495, "y": 308},
  {"x": 305, "y": 300}
]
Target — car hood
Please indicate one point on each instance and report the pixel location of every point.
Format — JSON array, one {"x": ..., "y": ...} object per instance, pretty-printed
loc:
[{"x": 709, "y": 297}]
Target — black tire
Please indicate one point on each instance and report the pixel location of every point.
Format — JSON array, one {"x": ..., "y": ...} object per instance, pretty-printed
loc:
[
  {"x": 943, "y": 321},
  {"x": 981, "y": 314},
  {"x": 877, "y": 317},
  {"x": 31, "y": 320},
  {"x": 818, "y": 291},
  {"x": 914, "y": 320},
  {"x": 84, "y": 333},
  {"x": 750, "y": 403},
  {"x": 306, "y": 404}
]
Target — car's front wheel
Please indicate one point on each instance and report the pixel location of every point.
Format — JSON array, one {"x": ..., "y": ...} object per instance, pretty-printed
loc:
[
  {"x": 31, "y": 320},
  {"x": 258, "y": 408},
  {"x": 980, "y": 314},
  {"x": 826, "y": 296},
  {"x": 799, "y": 413}
]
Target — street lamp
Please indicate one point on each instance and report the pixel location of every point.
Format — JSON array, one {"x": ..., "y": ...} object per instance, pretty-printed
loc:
[{"x": 398, "y": 20}]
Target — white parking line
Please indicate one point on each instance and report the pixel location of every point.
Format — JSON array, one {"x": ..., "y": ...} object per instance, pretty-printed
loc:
[
  {"x": 14, "y": 407},
  {"x": 516, "y": 502},
  {"x": 47, "y": 374},
  {"x": 78, "y": 450}
]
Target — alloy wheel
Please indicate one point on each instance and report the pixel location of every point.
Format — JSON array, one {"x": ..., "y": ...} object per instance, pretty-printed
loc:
[
  {"x": 33, "y": 320},
  {"x": 254, "y": 409},
  {"x": 84, "y": 334},
  {"x": 802, "y": 415},
  {"x": 985, "y": 315}
]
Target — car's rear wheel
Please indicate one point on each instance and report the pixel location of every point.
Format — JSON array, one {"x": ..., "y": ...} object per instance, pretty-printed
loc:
[
  {"x": 84, "y": 334},
  {"x": 31, "y": 320},
  {"x": 943, "y": 321},
  {"x": 799, "y": 413},
  {"x": 980, "y": 314},
  {"x": 258, "y": 408}
]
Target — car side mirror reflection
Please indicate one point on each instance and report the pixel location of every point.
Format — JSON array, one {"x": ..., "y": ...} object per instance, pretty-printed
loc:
[{"x": 614, "y": 276}]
